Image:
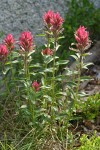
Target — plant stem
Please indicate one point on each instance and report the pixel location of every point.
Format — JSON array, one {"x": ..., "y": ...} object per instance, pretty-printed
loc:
[
  {"x": 79, "y": 73},
  {"x": 55, "y": 48},
  {"x": 48, "y": 39},
  {"x": 53, "y": 78},
  {"x": 4, "y": 77},
  {"x": 12, "y": 73},
  {"x": 26, "y": 65}
]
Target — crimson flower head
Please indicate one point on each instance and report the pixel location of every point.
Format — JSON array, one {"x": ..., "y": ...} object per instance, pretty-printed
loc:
[
  {"x": 82, "y": 37},
  {"x": 26, "y": 41},
  {"x": 36, "y": 86},
  {"x": 47, "y": 51},
  {"x": 56, "y": 21},
  {"x": 3, "y": 52},
  {"x": 48, "y": 16},
  {"x": 10, "y": 41},
  {"x": 53, "y": 20}
]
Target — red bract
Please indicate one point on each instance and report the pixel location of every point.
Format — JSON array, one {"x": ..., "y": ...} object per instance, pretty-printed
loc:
[
  {"x": 3, "y": 52},
  {"x": 36, "y": 86},
  {"x": 56, "y": 21},
  {"x": 47, "y": 51},
  {"x": 26, "y": 41},
  {"x": 10, "y": 41},
  {"x": 53, "y": 20},
  {"x": 48, "y": 16},
  {"x": 82, "y": 37}
]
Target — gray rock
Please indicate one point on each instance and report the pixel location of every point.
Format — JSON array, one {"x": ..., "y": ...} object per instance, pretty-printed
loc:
[{"x": 19, "y": 15}]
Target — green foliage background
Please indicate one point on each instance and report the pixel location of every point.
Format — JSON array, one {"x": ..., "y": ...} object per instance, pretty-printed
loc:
[{"x": 80, "y": 12}]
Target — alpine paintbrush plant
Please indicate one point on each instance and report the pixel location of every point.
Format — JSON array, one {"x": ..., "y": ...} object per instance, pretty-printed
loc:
[
  {"x": 83, "y": 43},
  {"x": 26, "y": 43},
  {"x": 52, "y": 102}
]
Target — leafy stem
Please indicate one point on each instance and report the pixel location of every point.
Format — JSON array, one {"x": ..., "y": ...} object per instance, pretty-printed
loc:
[
  {"x": 79, "y": 72},
  {"x": 4, "y": 77}
]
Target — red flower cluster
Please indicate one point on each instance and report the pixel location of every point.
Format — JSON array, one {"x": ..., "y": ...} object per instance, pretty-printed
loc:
[
  {"x": 36, "y": 86},
  {"x": 82, "y": 37},
  {"x": 26, "y": 41},
  {"x": 3, "y": 52},
  {"x": 47, "y": 51},
  {"x": 47, "y": 17},
  {"x": 53, "y": 20},
  {"x": 10, "y": 41}
]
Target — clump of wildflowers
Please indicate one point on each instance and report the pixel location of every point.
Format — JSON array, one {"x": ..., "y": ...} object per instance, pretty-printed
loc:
[
  {"x": 10, "y": 41},
  {"x": 47, "y": 51},
  {"x": 3, "y": 52},
  {"x": 26, "y": 41},
  {"x": 36, "y": 86},
  {"x": 82, "y": 37}
]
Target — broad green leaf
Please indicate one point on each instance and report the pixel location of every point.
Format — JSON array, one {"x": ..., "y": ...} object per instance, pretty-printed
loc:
[
  {"x": 14, "y": 61},
  {"x": 48, "y": 70},
  {"x": 62, "y": 62},
  {"x": 49, "y": 98},
  {"x": 85, "y": 66},
  {"x": 6, "y": 70},
  {"x": 74, "y": 56},
  {"x": 37, "y": 65},
  {"x": 48, "y": 59},
  {"x": 84, "y": 78},
  {"x": 23, "y": 106}
]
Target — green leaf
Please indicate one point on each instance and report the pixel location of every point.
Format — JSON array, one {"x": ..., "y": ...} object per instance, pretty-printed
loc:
[
  {"x": 42, "y": 35},
  {"x": 61, "y": 93},
  {"x": 32, "y": 73},
  {"x": 37, "y": 65},
  {"x": 61, "y": 37},
  {"x": 48, "y": 70},
  {"x": 14, "y": 61},
  {"x": 23, "y": 106},
  {"x": 49, "y": 98},
  {"x": 14, "y": 54},
  {"x": 84, "y": 78},
  {"x": 29, "y": 54},
  {"x": 85, "y": 66},
  {"x": 48, "y": 59},
  {"x": 6, "y": 70},
  {"x": 75, "y": 57},
  {"x": 87, "y": 54},
  {"x": 62, "y": 62},
  {"x": 46, "y": 87}
]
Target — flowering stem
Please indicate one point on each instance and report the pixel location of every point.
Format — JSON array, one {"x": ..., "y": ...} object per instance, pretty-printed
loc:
[
  {"x": 55, "y": 48},
  {"x": 53, "y": 80},
  {"x": 4, "y": 77},
  {"x": 48, "y": 45},
  {"x": 79, "y": 73},
  {"x": 45, "y": 104},
  {"x": 12, "y": 73},
  {"x": 48, "y": 38},
  {"x": 26, "y": 65}
]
